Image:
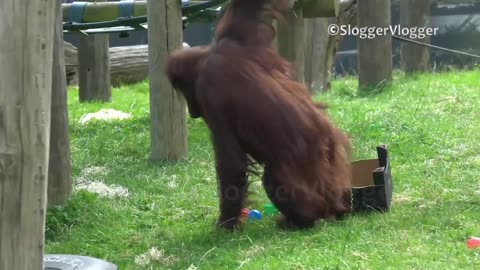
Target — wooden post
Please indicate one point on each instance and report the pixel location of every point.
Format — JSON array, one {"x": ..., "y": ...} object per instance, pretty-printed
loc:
[
  {"x": 59, "y": 170},
  {"x": 321, "y": 47},
  {"x": 291, "y": 41},
  {"x": 275, "y": 40},
  {"x": 309, "y": 36},
  {"x": 415, "y": 58},
  {"x": 168, "y": 129},
  {"x": 317, "y": 60},
  {"x": 319, "y": 8},
  {"x": 374, "y": 54},
  {"x": 25, "y": 94},
  {"x": 94, "y": 68}
]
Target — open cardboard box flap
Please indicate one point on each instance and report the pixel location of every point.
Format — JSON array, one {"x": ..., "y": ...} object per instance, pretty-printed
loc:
[
  {"x": 362, "y": 172},
  {"x": 371, "y": 183}
]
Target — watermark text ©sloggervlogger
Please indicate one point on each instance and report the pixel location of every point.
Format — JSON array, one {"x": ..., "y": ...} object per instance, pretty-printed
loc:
[{"x": 372, "y": 32}]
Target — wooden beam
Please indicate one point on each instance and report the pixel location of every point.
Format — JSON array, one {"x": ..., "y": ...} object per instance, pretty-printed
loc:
[
  {"x": 26, "y": 53},
  {"x": 109, "y": 11},
  {"x": 94, "y": 68},
  {"x": 168, "y": 131},
  {"x": 374, "y": 54},
  {"x": 104, "y": 11},
  {"x": 59, "y": 170}
]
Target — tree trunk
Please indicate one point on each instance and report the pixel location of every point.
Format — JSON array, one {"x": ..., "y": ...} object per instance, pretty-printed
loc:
[
  {"x": 25, "y": 97},
  {"x": 414, "y": 13},
  {"x": 93, "y": 68},
  {"x": 128, "y": 64},
  {"x": 59, "y": 170},
  {"x": 374, "y": 54},
  {"x": 291, "y": 42},
  {"x": 168, "y": 131}
]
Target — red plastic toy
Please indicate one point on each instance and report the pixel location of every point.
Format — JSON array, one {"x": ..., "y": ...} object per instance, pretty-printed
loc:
[
  {"x": 245, "y": 212},
  {"x": 473, "y": 242}
]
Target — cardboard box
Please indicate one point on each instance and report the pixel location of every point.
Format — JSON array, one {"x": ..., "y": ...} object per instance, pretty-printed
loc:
[{"x": 372, "y": 183}]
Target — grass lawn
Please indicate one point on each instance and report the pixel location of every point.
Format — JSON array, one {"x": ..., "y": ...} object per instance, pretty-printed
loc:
[{"x": 430, "y": 123}]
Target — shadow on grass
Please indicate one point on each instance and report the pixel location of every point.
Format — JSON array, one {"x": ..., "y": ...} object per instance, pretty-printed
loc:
[
  {"x": 404, "y": 216},
  {"x": 197, "y": 240},
  {"x": 60, "y": 219}
]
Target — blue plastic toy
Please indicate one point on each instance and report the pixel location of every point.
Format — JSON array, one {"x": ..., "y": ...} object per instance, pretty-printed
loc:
[{"x": 254, "y": 215}]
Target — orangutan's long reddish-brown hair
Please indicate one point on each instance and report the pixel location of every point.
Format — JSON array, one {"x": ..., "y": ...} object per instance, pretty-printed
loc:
[{"x": 242, "y": 89}]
